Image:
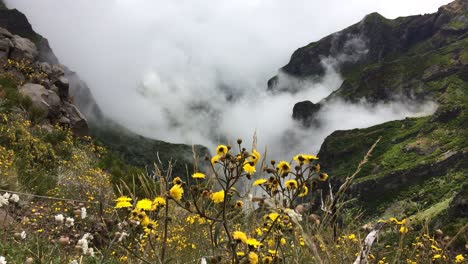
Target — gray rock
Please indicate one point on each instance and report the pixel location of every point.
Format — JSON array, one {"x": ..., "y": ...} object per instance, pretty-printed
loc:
[
  {"x": 5, "y": 33},
  {"x": 44, "y": 99},
  {"x": 58, "y": 70},
  {"x": 23, "y": 49},
  {"x": 64, "y": 120},
  {"x": 78, "y": 122},
  {"x": 45, "y": 67},
  {"x": 54, "y": 88},
  {"x": 5, "y": 46},
  {"x": 47, "y": 127}
]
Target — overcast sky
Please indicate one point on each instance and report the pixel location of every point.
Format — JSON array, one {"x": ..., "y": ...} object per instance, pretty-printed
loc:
[{"x": 177, "y": 53}]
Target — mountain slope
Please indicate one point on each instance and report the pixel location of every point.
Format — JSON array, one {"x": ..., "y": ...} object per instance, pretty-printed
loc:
[
  {"x": 137, "y": 150},
  {"x": 420, "y": 161}
]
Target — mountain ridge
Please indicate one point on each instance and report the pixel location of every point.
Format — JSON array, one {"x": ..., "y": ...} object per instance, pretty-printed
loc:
[{"x": 428, "y": 61}]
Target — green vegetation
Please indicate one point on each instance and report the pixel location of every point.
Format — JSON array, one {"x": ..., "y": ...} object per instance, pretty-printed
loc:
[{"x": 145, "y": 152}]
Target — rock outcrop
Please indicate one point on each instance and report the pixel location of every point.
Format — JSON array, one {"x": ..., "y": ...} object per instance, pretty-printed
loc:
[
  {"x": 28, "y": 58},
  {"x": 305, "y": 112},
  {"x": 43, "y": 83}
]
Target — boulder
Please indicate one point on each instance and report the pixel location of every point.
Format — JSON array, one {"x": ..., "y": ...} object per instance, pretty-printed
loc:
[
  {"x": 44, "y": 99},
  {"x": 78, "y": 122},
  {"x": 58, "y": 70},
  {"x": 64, "y": 121},
  {"x": 45, "y": 67},
  {"x": 23, "y": 48}
]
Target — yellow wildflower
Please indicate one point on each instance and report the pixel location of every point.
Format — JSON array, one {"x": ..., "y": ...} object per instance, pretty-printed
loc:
[
  {"x": 177, "y": 180},
  {"x": 158, "y": 202},
  {"x": 301, "y": 241},
  {"x": 239, "y": 236},
  {"x": 198, "y": 175},
  {"x": 304, "y": 191},
  {"x": 239, "y": 204},
  {"x": 214, "y": 159},
  {"x": 249, "y": 168},
  {"x": 273, "y": 216},
  {"x": 311, "y": 157},
  {"x": 145, "y": 221},
  {"x": 283, "y": 167},
  {"x": 436, "y": 256},
  {"x": 190, "y": 219},
  {"x": 459, "y": 258},
  {"x": 267, "y": 260},
  {"x": 272, "y": 252},
  {"x": 435, "y": 248},
  {"x": 299, "y": 158},
  {"x": 218, "y": 197},
  {"x": 352, "y": 237},
  {"x": 176, "y": 192},
  {"x": 240, "y": 254},
  {"x": 291, "y": 184},
  {"x": 258, "y": 231},
  {"x": 150, "y": 227},
  {"x": 254, "y": 157},
  {"x": 304, "y": 158},
  {"x": 283, "y": 241},
  {"x": 143, "y": 218},
  {"x": 144, "y": 204},
  {"x": 253, "y": 258},
  {"x": 221, "y": 150},
  {"x": 323, "y": 177},
  {"x": 123, "y": 202},
  {"x": 258, "y": 182},
  {"x": 403, "y": 230},
  {"x": 253, "y": 242}
]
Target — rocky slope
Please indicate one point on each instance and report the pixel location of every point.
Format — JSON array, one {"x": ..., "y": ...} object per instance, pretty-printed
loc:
[
  {"x": 43, "y": 89},
  {"x": 420, "y": 166},
  {"x": 65, "y": 93}
]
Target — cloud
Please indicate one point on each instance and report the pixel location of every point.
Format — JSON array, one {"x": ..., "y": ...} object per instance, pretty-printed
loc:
[{"x": 195, "y": 71}]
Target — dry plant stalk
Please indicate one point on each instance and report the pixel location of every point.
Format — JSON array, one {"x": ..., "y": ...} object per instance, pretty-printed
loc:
[{"x": 332, "y": 208}]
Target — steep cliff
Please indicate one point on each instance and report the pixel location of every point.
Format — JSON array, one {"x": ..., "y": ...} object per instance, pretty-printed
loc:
[{"x": 419, "y": 167}]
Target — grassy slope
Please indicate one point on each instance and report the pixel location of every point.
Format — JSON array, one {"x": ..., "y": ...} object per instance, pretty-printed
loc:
[{"x": 144, "y": 152}]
